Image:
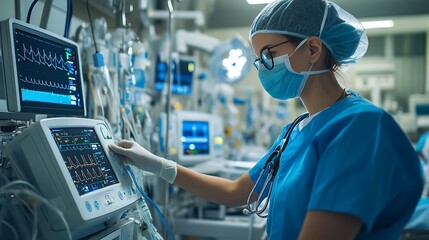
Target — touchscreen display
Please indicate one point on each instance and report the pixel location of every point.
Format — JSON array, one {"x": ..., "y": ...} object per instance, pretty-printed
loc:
[{"x": 85, "y": 158}]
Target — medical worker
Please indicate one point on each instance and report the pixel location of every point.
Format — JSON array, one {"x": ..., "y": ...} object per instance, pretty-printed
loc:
[{"x": 342, "y": 170}]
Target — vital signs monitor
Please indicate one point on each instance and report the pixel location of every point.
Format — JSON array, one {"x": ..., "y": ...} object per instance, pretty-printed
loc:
[
  {"x": 68, "y": 160},
  {"x": 182, "y": 70},
  {"x": 194, "y": 137},
  {"x": 40, "y": 72}
]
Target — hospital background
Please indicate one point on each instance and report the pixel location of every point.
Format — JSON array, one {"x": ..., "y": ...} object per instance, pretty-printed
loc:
[{"x": 178, "y": 78}]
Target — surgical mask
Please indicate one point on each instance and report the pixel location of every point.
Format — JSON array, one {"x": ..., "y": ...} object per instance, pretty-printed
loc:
[{"x": 282, "y": 82}]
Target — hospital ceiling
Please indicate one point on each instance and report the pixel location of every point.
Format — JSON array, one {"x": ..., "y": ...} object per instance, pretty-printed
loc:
[
  {"x": 238, "y": 13},
  {"x": 234, "y": 13}
]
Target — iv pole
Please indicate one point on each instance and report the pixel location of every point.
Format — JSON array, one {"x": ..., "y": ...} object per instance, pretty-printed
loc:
[{"x": 170, "y": 36}]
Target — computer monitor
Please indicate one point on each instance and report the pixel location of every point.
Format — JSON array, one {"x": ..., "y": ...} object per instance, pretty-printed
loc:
[
  {"x": 182, "y": 69},
  {"x": 69, "y": 162},
  {"x": 41, "y": 72},
  {"x": 194, "y": 137}
]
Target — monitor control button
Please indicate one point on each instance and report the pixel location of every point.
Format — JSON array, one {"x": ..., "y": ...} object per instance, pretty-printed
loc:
[
  {"x": 96, "y": 205},
  {"x": 88, "y": 206},
  {"x": 106, "y": 134}
]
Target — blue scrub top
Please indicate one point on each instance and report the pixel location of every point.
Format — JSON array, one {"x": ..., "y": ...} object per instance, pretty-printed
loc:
[{"x": 351, "y": 158}]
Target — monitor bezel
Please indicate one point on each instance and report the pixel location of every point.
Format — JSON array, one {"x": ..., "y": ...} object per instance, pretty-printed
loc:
[
  {"x": 46, "y": 127},
  {"x": 13, "y": 97}
]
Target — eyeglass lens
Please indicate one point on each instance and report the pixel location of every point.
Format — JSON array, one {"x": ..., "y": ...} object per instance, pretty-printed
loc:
[{"x": 266, "y": 57}]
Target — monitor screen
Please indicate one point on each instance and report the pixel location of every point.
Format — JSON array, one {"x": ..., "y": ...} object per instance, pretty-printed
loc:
[
  {"x": 195, "y": 138},
  {"x": 182, "y": 73},
  {"x": 85, "y": 158},
  {"x": 48, "y": 73}
]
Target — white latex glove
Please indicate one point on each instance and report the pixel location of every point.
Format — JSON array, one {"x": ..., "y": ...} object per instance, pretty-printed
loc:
[{"x": 145, "y": 160}]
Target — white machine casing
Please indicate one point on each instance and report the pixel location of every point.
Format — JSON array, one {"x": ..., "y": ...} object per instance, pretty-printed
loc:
[
  {"x": 37, "y": 159},
  {"x": 176, "y": 150}
]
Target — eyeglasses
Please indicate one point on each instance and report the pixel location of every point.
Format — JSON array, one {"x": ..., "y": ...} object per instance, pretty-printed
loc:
[{"x": 266, "y": 57}]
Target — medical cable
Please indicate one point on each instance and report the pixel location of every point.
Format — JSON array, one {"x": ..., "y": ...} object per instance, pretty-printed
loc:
[
  {"x": 31, "y": 10},
  {"x": 91, "y": 87},
  {"x": 133, "y": 177},
  {"x": 90, "y": 24},
  {"x": 68, "y": 18},
  {"x": 9, "y": 206},
  {"x": 101, "y": 102},
  {"x": 15, "y": 233},
  {"x": 130, "y": 125},
  {"x": 68, "y": 15},
  {"x": 4, "y": 163},
  {"x": 33, "y": 212},
  {"x": 32, "y": 192}
]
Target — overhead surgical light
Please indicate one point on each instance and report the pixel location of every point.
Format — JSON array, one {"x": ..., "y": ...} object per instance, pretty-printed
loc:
[
  {"x": 230, "y": 61},
  {"x": 378, "y": 24},
  {"x": 234, "y": 63}
]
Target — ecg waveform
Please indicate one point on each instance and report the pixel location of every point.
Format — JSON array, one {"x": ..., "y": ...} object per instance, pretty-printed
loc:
[
  {"x": 84, "y": 176},
  {"x": 85, "y": 161},
  {"x": 58, "y": 63},
  {"x": 44, "y": 83},
  {"x": 75, "y": 148}
]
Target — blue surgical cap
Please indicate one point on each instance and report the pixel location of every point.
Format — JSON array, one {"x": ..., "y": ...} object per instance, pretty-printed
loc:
[{"x": 340, "y": 32}]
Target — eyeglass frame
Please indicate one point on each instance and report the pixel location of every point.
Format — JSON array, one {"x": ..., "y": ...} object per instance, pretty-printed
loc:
[{"x": 260, "y": 58}]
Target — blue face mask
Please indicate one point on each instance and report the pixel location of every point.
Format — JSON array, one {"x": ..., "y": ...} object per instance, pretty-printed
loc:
[{"x": 282, "y": 82}]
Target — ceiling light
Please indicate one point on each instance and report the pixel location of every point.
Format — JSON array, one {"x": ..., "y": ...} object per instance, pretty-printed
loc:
[
  {"x": 378, "y": 24},
  {"x": 258, "y": 1}
]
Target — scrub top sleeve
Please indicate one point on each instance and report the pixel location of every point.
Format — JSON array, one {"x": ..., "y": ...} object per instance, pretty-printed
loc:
[{"x": 353, "y": 171}]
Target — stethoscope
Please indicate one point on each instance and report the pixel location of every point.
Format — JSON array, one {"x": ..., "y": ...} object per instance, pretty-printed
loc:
[{"x": 271, "y": 166}]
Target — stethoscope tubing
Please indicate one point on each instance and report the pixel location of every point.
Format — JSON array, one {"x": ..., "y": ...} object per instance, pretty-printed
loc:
[{"x": 272, "y": 167}]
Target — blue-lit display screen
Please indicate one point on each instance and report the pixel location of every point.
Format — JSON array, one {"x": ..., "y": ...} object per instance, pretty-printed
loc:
[
  {"x": 195, "y": 138},
  {"x": 182, "y": 74},
  {"x": 85, "y": 158},
  {"x": 48, "y": 73}
]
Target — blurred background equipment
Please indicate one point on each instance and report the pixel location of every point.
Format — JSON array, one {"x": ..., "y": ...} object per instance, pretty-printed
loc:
[{"x": 177, "y": 78}]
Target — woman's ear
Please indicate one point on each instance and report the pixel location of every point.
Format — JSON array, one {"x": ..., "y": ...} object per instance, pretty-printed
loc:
[{"x": 315, "y": 47}]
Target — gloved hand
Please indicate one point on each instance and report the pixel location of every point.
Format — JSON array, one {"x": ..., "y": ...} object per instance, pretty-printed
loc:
[{"x": 145, "y": 160}]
